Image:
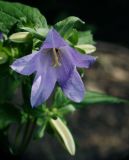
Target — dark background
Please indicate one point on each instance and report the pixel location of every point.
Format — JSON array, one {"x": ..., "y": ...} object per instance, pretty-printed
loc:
[{"x": 109, "y": 19}]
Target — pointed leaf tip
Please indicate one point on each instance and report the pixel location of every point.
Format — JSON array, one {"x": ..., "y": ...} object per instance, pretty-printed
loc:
[
  {"x": 87, "y": 48},
  {"x": 65, "y": 134}
]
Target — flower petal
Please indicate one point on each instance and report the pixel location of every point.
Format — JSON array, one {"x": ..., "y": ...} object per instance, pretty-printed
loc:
[
  {"x": 66, "y": 68},
  {"x": 1, "y": 35},
  {"x": 74, "y": 88},
  {"x": 44, "y": 81},
  {"x": 78, "y": 59},
  {"x": 25, "y": 65},
  {"x": 53, "y": 40}
]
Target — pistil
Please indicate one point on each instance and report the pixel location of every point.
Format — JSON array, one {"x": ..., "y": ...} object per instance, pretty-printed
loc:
[{"x": 56, "y": 57}]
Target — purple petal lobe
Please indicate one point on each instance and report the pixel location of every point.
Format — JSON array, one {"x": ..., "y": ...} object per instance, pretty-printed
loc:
[
  {"x": 74, "y": 88},
  {"x": 44, "y": 81},
  {"x": 53, "y": 40},
  {"x": 25, "y": 65},
  {"x": 1, "y": 36},
  {"x": 78, "y": 59},
  {"x": 66, "y": 68}
]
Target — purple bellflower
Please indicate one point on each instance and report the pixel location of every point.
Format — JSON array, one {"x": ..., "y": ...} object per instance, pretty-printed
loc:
[
  {"x": 1, "y": 36},
  {"x": 55, "y": 62}
]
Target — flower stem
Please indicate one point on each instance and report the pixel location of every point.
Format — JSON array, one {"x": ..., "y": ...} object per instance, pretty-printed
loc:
[
  {"x": 28, "y": 132},
  {"x": 16, "y": 140}
]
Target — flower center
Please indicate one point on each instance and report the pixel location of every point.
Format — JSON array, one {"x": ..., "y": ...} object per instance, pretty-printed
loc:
[{"x": 56, "y": 56}]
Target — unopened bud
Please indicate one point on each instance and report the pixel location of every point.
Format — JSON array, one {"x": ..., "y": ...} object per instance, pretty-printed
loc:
[{"x": 20, "y": 37}]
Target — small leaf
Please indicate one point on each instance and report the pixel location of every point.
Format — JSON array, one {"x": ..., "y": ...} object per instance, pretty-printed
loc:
[
  {"x": 59, "y": 99},
  {"x": 3, "y": 57},
  {"x": 42, "y": 31},
  {"x": 39, "y": 33},
  {"x": 73, "y": 36},
  {"x": 3, "y": 54},
  {"x": 67, "y": 109},
  {"x": 92, "y": 98},
  {"x": 41, "y": 129},
  {"x": 64, "y": 133},
  {"x": 65, "y": 26},
  {"x": 87, "y": 48},
  {"x": 85, "y": 37}
]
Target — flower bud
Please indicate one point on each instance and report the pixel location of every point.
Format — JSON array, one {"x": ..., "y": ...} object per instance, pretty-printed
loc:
[{"x": 20, "y": 37}]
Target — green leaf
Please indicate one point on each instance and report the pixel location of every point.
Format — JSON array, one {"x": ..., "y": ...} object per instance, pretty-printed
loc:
[
  {"x": 41, "y": 131},
  {"x": 39, "y": 33},
  {"x": 92, "y": 98},
  {"x": 85, "y": 38},
  {"x": 12, "y": 14},
  {"x": 66, "y": 106},
  {"x": 8, "y": 115},
  {"x": 64, "y": 133},
  {"x": 42, "y": 124},
  {"x": 60, "y": 99},
  {"x": 65, "y": 27},
  {"x": 87, "y": 48},
  {"x": 67, "y": 109},
  {"x": 73, "y": 37},
  {"x": 3, "y": 55}
]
